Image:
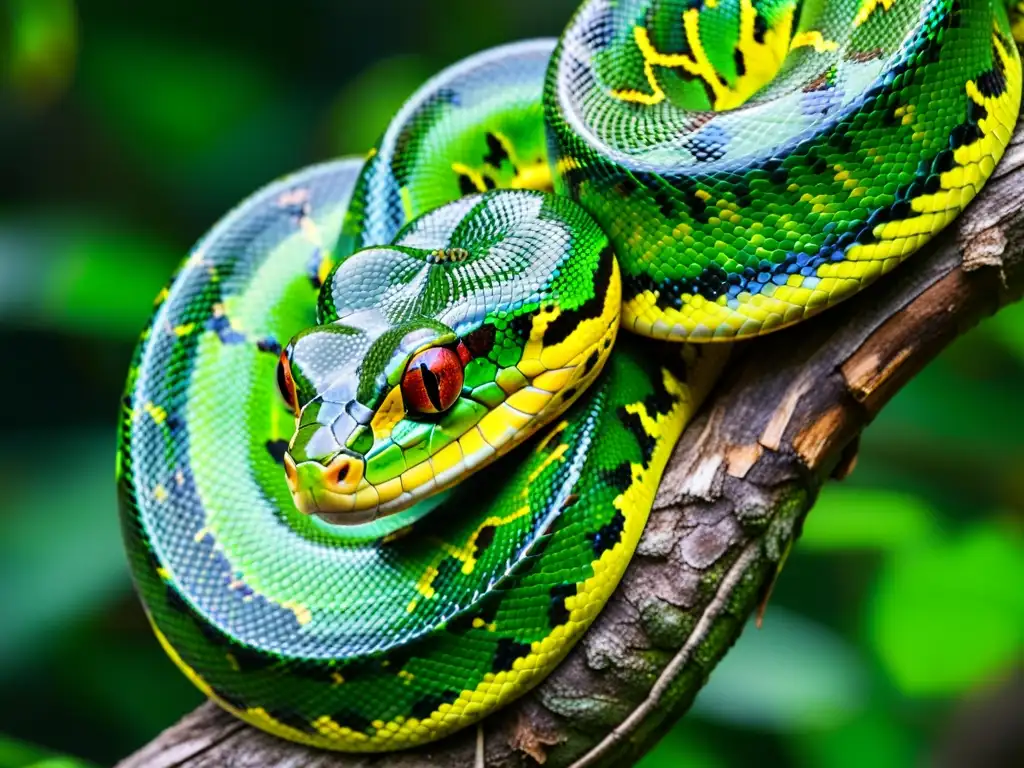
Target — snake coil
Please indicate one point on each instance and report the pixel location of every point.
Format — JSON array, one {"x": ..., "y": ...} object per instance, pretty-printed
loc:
[{"x": 307, "y": 412}]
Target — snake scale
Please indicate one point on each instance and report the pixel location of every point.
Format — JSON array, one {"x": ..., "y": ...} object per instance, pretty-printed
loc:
[{"x": 306, "y": 412}]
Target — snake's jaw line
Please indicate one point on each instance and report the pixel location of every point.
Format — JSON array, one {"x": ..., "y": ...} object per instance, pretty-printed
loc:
[{"x": 348, "y": 518}]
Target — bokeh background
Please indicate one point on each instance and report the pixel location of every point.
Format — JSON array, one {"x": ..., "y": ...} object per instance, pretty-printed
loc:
[{"x": 895, "y": 635}]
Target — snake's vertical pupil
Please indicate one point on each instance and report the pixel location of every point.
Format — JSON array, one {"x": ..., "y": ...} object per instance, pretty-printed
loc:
[
  {"x": 433, "y": 380},
  {"x": 285, "y": 383}
]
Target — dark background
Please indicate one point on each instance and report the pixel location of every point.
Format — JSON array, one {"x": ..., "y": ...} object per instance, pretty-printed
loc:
[{"x": 128, "y": 128}]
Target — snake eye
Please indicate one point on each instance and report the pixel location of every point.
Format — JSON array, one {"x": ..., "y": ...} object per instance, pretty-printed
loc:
[
  {"x": 285, "y": 382},
  {"x": 432, "y": 382}
]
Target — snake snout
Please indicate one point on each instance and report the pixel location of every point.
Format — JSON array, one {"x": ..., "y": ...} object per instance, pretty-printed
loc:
[{"x": 324, "y": 487}]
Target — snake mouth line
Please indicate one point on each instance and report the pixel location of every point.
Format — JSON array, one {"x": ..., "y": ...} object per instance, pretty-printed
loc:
[
  {"x": 367, "y": 502},
  {"x": 358, "y": 501},
  {"x": 351, "y": 499},
  {"x": 372, "y": 501}
]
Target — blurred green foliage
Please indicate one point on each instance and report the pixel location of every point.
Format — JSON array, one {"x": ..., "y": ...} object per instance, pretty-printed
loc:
[{"x": 126, "y": 129}]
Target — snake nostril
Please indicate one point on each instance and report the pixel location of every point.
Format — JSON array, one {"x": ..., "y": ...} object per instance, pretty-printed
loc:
[{"x": 341, "y": 473}]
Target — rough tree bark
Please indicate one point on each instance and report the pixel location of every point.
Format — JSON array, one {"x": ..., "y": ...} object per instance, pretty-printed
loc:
[{"x": 785, "y": 418}]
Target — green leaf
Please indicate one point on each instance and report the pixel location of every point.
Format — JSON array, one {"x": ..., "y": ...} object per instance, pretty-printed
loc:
[
  {"x": 37, "y": 59},
  {"x": 1007, "y": 327},
  {"x": 965, "y": 402},
  {"x": 681, "y": 747},
  {"x": 18, "y": 754},
  {"x": 792, "y": 674},
  {"x": 61, "y": 555},
  {"x": 166, "y": 101},
  {"x": 847, "y": 517},
  {"x": 80, "y": 277},
  {"x": 114, "y": 672},
  {"x": 874, "y": 738},
  {"x": 14, "y": 753},
  {"x": 945, "y": 617}
]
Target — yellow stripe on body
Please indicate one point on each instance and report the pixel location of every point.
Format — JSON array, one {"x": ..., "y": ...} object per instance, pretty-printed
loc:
[
  {"x": 762, "y": 60},
  {"x": 813, "y": 39},
  {"x": 465, "y": 554},
  {"x": 774, "y": 307},
  {"x": 957, "y": 186},
  {"x": 475, "y": 176},
  {"x": 868, "y": 7},
  {"x": 256, "y": 716},
  {"x": 590, "y": 334},
  {"x": 536, "y": 175},
  {"x": 528, "y": 175},
  {"x": 532, "y": 176}
]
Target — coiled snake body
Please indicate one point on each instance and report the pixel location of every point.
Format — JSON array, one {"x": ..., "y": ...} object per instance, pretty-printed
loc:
[{"x": 352, "y": 343}]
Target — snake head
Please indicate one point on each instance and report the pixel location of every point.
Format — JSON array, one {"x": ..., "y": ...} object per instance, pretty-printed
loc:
[
  {"x": 482, "y": 322},
  {"x": 340, "y": 379}
]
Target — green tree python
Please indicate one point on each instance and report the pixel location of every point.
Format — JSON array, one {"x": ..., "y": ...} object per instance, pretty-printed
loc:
[{"x": 307, "y": 412}]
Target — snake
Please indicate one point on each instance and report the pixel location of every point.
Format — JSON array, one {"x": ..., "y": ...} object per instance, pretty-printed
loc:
[{"x": 393, "y": 432}]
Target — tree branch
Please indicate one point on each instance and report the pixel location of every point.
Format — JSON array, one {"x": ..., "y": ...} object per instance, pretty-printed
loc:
[{"x": 784, "y": 419}]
